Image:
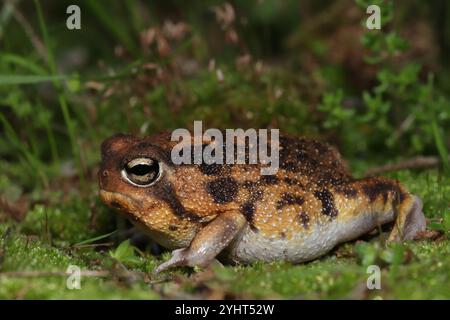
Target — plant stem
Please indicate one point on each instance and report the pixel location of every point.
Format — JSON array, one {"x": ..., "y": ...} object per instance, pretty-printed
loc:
[{"x": 61, "y": 97}]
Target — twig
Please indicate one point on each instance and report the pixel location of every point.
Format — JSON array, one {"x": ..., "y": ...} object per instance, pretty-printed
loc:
[
  {"x": 94, "y": 245},
  {"x": 124, "y": 274},
  {"x": 5, "y": 15},
  {"x": 37, "y": 274},
  {"x": 37, "y": 43},
  {"x": 420, "y": 162}
]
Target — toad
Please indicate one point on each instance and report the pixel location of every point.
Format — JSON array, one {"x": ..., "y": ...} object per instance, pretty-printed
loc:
[{"x": 233, "y": 213}]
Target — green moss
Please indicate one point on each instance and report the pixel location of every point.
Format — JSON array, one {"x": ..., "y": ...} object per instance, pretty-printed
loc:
[
  {"x": 70, "y": 223},
  {"x": 55, "y": 288},
  {"x": 387, "y": 110},
  {"x": 415, "y": 270}
]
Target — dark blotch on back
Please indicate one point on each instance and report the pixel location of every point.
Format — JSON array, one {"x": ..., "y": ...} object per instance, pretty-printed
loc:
[
  {"x": 314, "y": 159},
  {"x": 289, "y": 199},
  {"x": 269, "y": 179},
  {"x": 248, "y": 210},
  {"x": 250, "y": 184},
  {"x": 292, "y": 181},
  {"x": 211, "y": 169},
  {"x": 290, "y": 166},
  {"x": 380, "y": 188},
  {"x": 347, "y": 191},
  {"x": 223, "y": 190},
  {"x": 327, "y": 199}
]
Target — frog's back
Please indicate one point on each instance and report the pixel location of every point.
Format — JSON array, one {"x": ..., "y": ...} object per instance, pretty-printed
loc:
[
  {"x": 275, "y": 206},
  {"x": 309, "y": 206}
]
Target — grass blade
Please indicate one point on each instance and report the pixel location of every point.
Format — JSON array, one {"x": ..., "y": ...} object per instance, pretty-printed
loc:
[
  {"x": 103, "y": 236},
  {"x": 24, "y": 63},
  {"x": 61, "y": 97},
  {"x": 29, "y": 79}
]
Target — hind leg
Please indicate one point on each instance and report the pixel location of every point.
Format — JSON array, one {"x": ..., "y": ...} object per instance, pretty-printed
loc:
[{"x": 410, "y": 220}]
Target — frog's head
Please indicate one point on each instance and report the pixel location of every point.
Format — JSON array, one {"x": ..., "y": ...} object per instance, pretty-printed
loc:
[{"x": 133, "y": 177}]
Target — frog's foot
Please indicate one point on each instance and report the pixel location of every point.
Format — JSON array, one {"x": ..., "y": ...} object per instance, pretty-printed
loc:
[
  {"x": 179, "y": 258},
  {"x": 208, "y": 243},
  {"x": 410, "y": 220}
]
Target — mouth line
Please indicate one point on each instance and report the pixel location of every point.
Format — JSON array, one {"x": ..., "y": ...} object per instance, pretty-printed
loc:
[
  {"x": 133, "y": 210},
  {"x": 109, "y": 197}
]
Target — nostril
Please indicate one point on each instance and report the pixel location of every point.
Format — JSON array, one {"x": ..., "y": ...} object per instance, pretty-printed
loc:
[{"x": 103, "y": 178}]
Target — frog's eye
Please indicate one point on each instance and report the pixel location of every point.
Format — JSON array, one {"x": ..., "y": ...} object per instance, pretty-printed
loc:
[{"x": 142, "y": 172}]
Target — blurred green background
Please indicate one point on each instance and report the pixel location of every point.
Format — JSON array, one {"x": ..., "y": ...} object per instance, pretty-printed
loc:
[{"x": 307, "y": 67}]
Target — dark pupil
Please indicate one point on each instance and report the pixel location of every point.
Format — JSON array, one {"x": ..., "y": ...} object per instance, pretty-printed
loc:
[
  {"x": 141, "y": 169},
  {"x": 143, "y": 173}
]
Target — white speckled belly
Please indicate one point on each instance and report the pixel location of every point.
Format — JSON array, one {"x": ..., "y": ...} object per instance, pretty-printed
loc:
[{"x": 250, "y": 246}]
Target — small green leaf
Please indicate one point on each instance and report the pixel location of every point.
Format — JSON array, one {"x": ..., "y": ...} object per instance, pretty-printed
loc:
[{"x": 125, "y": 253}]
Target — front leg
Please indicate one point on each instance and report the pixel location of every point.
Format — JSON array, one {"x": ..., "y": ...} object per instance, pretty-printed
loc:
[{"x": 208, "y": 242}]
